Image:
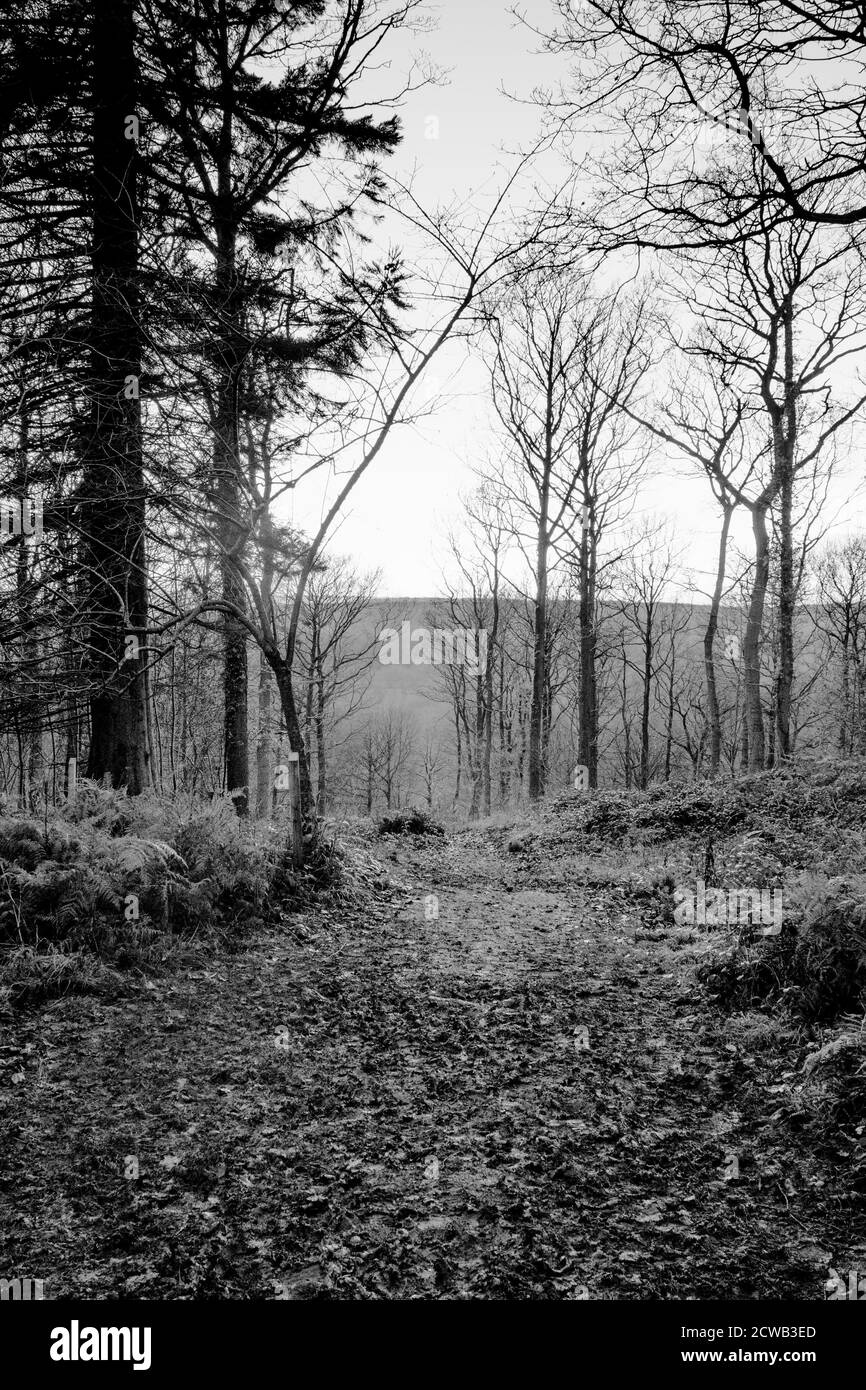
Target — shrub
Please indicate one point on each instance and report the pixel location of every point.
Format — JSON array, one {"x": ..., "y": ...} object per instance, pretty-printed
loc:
[
  {"x": 29, "y": 977},
  {"x": 114, "y": 881},
  {"x": 411, "y": 822},
  {"x": 816, "y": 967},
  {"x": 838, "y": 1069}
]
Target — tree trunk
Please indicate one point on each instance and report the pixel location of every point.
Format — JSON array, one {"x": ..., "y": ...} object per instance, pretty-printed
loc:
[
  {"x": 264, "y": 735},
  {"x": 752, "y": 642},
  {"x": 539, "y": 658},
  {"x": 489, "y": 674},
  {"x": 709, "y": 647},
  {"x": 861, "y": 710},
  {"x": 226, "y": 456},
  {"x": 625, "y": 721},
  {"x": 293, "y": 726},
  {"x": 744, "y": 739},
  {"x": 459, "y": 756},
  {"x": 588, "y": 699},
  {"x": 771, "y": 711},
  {"x": 643, "y": 782},
  {"x": 669, "y": 726},
  {"x": 785, "y": 443},
  {"x": 844, "y": 742},
  {"x": 785, "y": 679},
  {"x": 505, "y": 739},
  {"x": 265, "y": 745},
  {"x": 113, "y": 490},
  {"x": 321, "y": 763},
  {"x": 28, "y": 717}
]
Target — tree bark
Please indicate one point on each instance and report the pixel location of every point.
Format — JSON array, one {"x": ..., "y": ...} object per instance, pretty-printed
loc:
[
  {"x": 588, "y": 697},
  {"x": 709, "y": 646},
  {"x": 646, "y": 677},
  {"x": 113, "y": 491},
  {"x": 226, "y": 460},
  {"x": 785, "y": 678},
  {"x": 283, "y": 676},
  {"x": 321, "y": 759},
  {"x": 785, "y": 432},
  {"x": 539, "y": 653},
  {"x": 754, "y": 713}
]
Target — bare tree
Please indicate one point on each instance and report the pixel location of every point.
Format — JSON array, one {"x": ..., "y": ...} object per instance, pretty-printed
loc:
[
  {"x": 778, "y": 314},
  {"x": 431, "y": 765},
  {"x": 610, "y": 459},
  {"x": 335, "y": 658},
  {"x": 708, "y": 421},
  {"x": 392, "y": 753},
  {"x": 647, "y": 617},
  {"x": 840, "y": 576},
  {"x": 475, "y": 601},
  {"x": 719, "y": 94},
  {"x": 561, "y": 370}
]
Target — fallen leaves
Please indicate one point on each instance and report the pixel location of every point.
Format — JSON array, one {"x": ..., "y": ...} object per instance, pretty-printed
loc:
[{"x": 383, "y": 1106}]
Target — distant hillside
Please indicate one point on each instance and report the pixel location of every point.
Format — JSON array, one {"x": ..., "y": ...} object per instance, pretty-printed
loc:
[{"x": 417, "y": 694}]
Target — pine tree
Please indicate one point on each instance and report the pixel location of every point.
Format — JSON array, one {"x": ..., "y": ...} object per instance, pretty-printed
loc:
[
  {"x": 70, "y": 249},
  {"x": 113, "y": 489}
]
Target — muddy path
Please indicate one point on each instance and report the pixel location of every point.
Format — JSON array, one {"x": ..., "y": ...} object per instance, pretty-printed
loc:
[{"x": 515, "y": 1091}]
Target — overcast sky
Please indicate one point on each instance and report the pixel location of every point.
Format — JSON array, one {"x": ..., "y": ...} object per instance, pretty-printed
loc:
[{"x": 456, "y": 139}]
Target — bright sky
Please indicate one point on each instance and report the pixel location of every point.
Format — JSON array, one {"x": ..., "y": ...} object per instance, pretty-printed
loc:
[{"x": 454, "y": 134}]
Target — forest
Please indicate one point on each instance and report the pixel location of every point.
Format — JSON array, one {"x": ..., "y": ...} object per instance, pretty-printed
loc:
[{"x": 432, "y": 650}]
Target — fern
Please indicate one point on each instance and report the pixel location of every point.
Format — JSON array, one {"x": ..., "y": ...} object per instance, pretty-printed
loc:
[
  {"x": 851, "y": 1037},
  {"x": 86, "y": 903},
  {"x": 132, "y": 854}
]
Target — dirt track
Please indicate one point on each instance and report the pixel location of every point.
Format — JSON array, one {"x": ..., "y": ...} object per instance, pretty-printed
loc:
[{"x": 525, "y": 1097}]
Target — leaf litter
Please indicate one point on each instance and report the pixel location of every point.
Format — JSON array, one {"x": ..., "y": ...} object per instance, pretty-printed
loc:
[{"x": 526, "y": 1097}]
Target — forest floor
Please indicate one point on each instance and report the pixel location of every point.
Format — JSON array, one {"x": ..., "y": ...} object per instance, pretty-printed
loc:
[{"x": 528, "y": 1096}]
